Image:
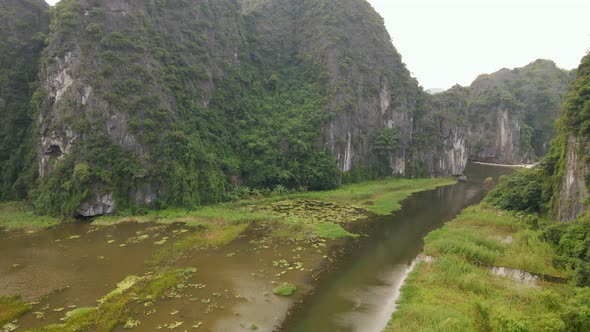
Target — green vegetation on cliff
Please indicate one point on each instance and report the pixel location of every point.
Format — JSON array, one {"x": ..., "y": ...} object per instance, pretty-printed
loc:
[
  {"x": 23, "y": 28},
  {"x": 576, "y": 114}
]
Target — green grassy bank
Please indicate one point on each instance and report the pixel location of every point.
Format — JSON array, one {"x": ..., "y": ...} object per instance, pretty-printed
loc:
[
  {"x": 457, "y": 290},
  {"x": 296, "y": 215}
]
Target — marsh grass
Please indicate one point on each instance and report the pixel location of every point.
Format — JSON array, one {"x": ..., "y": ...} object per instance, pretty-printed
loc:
[
  {"x": 11, "y": 308},
  {"x": 457, "y": 291},
  {"x": 20, "y": 216},
  {"x": 380, "y": 197},
  {"x": 332, "y": 231},
  {"x": 207, "y": 238}
]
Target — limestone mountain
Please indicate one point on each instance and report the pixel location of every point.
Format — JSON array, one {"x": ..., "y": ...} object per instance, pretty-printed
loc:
[
  {"x": 155, "y": 103},
  {"x": 505, "y": 117},
  {"x": 126, "y": 117}
]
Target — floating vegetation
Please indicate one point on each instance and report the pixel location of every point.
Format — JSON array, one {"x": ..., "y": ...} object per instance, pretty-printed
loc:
[
  {"x": 9, "y": 327},
  {"x": 124, "y": 285},
  {"x": 161, "y": 242},
  {"x": 285, "y": 289},
  {"x": 114, "y": 308},
  {"x": 170, "y": 326},
  {"x": 131, "y": 323},
  {"x": 138, "y": 239},
  {"x": 78, "y": 312},
  {"x": 332, "y": 231}
]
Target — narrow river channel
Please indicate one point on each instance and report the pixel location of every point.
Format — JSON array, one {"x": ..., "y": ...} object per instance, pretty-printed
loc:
[{"x": 360, "y": 294}]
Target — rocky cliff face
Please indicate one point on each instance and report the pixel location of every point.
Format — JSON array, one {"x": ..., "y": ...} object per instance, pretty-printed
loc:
[
  {"x": 572, "y": 199},
  {"x": 571, "y": 149},
  {"x": 23, "y": 27},
  {"x": 441, "y": 143},
  {"x": 367, "y": 86},
  {"x": 508, "y": 116},
  {"x": 135, "y": 77}
]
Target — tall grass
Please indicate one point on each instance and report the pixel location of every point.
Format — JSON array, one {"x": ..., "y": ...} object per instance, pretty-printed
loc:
[
  {"x": 457, "y": 291},
  {"x": 18, "y": 215}
]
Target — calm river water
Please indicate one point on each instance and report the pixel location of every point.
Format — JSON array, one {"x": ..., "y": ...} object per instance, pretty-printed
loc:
[{"x": 360, "y": 295}]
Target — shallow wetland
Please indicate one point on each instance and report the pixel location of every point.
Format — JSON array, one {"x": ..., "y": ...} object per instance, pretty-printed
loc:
[{"x": 345, "y": 279}]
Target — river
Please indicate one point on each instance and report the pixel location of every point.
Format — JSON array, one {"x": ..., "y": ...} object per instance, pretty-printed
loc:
[{"x": 360, "y": 294}]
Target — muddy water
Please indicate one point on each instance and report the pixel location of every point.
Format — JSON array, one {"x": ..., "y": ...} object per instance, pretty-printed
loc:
[
  {"x": 360, "y": 295},
  {"x": 232, "y": 289},
  {"x": 72, "y": 266}
]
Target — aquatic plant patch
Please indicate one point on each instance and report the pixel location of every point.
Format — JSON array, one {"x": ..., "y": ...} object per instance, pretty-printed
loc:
[{"x": 285, "y": 289}]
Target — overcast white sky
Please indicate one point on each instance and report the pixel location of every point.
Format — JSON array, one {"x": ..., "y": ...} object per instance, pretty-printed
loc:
[{"x": 444, "y": 42}]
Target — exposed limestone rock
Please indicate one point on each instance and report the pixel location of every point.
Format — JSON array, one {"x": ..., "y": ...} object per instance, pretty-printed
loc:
[
  {"x": 97, "y": 206},
  {"x": 54, "y": 147},
  {"x": 573, "y": 197},
  {"x": 60, "y": 81}
]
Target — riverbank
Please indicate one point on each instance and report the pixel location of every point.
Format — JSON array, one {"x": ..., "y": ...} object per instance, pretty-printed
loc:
[
  {"x": 260, "y": 244},
  {"x": 488, "y": 270},
  {"x": 18, "y": 216}
]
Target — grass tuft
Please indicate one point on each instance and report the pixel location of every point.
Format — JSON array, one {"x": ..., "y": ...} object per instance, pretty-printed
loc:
[{"x": 12, "y": 308}]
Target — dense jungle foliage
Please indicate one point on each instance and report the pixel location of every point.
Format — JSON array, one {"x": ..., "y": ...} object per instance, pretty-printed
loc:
[{"x": 23, "y": 28}]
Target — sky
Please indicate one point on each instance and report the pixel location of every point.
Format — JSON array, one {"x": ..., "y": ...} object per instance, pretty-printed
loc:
[{"x": 448, "y": 42}]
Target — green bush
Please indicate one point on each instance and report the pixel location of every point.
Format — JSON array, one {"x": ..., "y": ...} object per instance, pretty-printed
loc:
[
  {"x": 521, "y": 191},
  {"x": 573, "y": 247}
]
